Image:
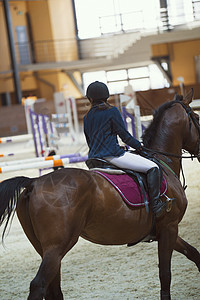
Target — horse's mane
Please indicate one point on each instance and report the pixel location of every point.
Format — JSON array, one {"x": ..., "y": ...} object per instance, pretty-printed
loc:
[{"x": 151, "y": 130}]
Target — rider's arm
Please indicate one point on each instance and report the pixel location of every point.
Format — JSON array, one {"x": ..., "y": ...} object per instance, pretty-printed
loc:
[
  {"x": 85, "y": 133},
  {"x": 120, "y": 129}
]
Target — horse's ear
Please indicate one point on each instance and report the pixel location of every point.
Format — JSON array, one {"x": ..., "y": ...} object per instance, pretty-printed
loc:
[
  {"x": 188, "y": 97},
  {"x": 177, "y": 97}
]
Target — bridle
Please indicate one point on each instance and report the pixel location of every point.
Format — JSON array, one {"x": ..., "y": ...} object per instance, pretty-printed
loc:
[
  {"x": 167, "y": 154},
  {"x": 190, "y": 116},
  {"x": 196, "y": 124}
]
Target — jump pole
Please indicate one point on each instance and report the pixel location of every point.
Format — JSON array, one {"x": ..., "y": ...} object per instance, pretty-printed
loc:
[
  {"x": 16, "y": 153},
  {"x": 125, "y": 114},
  {"x": 75, "y": 115},
  {"x": 16, "y": 138},
  {"x": 38, "y": 159},
  {"x": 43, "y": 164}
]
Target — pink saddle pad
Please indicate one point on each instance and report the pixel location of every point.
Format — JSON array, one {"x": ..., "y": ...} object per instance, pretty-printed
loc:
[{"x": 128, "y": 188}]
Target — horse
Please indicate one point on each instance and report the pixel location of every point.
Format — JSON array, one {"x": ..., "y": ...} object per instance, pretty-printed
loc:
[{"x": 59, "y": 207}]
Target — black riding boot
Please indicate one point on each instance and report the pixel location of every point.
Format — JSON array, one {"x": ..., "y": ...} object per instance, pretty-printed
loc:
[{"x": 153, "y": 182}]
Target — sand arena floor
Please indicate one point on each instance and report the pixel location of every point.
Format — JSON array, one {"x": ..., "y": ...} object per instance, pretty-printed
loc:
[{"x": 91, "y": 271}]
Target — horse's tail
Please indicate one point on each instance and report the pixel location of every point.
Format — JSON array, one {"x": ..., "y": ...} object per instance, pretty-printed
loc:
[{"x": 10, "y": 190}]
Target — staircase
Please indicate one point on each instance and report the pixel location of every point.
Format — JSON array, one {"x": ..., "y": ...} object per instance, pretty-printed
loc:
[
  {"x": 108, "y": 46},
  {"x": 132, "y": 48}
]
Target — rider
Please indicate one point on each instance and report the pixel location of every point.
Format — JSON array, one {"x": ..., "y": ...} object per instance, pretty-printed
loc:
[{"x": 102, "y": 124}]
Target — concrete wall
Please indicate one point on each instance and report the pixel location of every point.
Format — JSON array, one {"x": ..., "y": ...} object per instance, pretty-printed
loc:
[{"x": 13, "y": 120}]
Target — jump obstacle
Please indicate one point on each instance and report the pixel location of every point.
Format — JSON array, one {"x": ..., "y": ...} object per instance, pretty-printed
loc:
[
  {"x": 137, "y": 127},
  {"x": 44, "y": 135},
  {"x": 17, "y": 139},
  {"x": 25, "y": 151},
  {"x": 49, "y": 163},
  {"x": 38, "y": 159},
  {"x": 47, "y": 130}
]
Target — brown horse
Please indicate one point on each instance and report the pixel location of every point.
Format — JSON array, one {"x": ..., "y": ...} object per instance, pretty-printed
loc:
[{"x": 57, "y": 208}]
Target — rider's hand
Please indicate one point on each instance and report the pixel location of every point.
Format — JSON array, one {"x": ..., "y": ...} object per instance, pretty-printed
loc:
[
  {"x": 124, "y": 147},
  {"x": 140, "y": 150}
]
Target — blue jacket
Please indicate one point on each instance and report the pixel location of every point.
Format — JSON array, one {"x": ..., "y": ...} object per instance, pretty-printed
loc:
[{"x": 101, "y": 127}]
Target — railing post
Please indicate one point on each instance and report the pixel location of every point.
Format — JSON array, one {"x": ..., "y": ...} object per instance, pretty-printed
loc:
[
  {"x": 121, "y": 22},
  {"x": 12, "y": 52},
  {"x": 164, "y": 15}
]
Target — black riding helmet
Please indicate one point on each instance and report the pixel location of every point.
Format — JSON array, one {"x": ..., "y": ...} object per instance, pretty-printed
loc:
[{"x": 97, "y": 91}]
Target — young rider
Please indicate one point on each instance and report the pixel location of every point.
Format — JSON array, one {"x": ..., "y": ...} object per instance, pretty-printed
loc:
[{"x": 102, "y": 124}]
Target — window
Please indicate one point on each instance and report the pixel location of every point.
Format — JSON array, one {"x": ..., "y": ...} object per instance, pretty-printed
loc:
[
  {"x": 142, "y": 84},
  {"x": 117, "y": 87},
  {"x": 156, "y": 78},
  {"x": 141, "y": 78},
  {"x": 138, "y": 72},
  {"x": 96, "y": 17},
  {"x": 93, "y": 76},
  {"x": 180, "y": 11},
  {"x": 116, "y": 75}
]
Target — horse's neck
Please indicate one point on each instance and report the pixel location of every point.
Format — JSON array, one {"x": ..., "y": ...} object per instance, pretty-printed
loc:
[{"x": 168, "y": 141}]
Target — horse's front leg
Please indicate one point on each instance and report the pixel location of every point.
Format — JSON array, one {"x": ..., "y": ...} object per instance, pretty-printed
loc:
[
  {"x": 166, "y": 240},
  {"x": 190, "y": 252},
  {"x": 54, "y": 290}
]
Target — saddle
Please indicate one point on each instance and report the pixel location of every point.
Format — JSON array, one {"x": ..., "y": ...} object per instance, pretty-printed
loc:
[{"x": 107, "y": 167}]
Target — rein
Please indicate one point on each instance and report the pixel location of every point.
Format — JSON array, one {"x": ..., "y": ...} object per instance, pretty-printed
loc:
[
  {"x": 190, "y": 116},
  {"x": 166, "y": 165},
  {"x": 169, "y": 154}
]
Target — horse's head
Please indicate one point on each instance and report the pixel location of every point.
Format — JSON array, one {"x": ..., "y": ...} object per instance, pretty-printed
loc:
[
  {"x": 175, "y": 126},
  {"x": 191, "y": 142}
]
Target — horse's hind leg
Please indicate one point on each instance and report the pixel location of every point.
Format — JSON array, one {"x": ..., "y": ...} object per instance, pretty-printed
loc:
[
  {"x": 48, "y": 270},
  {"x": 190, "y": 252},
  {"x": 46, "y": 283},
  {"x": 54, "y": 289},
  {"x": 24, "y": 218}
]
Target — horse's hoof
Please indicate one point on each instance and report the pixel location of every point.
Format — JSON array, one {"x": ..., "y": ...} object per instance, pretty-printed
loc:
[{"x": 165, "y": 295}]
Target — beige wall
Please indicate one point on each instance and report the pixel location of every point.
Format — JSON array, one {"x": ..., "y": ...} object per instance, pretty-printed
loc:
[
  {"x": 6, "y": 83},
  {"x": 56, "y": 81},
  {"x": 67, "y": 86},
  {"x": 28, "y": 82},
  {"x": 4, "y": 53},
  {"x": 41, "y": 30},
  {"x": 181, "y": 58},
  {"x": 40, "y": 20},
  {"x": 53, "y": 33},
  {"x": 160, "y": 49},
  {"x": 47, "y": 84},
  {"x": 63, "y": 29},
  {"x": 18, "y": 11},
  {"x": 183, "y": 63}
]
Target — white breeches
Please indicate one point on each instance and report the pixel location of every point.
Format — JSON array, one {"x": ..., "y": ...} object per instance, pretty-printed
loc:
[{"x": 133, "y": 162}]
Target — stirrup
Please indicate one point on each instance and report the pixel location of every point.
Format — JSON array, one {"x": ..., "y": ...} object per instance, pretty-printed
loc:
[
  {"x": 158, "y": 212},
  {"x": 170, "y": 202}
]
